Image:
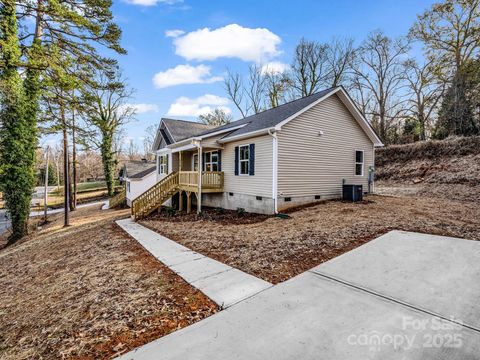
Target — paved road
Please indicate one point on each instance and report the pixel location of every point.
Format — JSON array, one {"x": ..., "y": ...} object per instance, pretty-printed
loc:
[
  {"x": 402, "y": 296},
  {"x": 5, "y": 223}
]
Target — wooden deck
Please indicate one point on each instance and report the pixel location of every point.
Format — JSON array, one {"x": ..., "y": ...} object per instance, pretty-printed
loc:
[
  {"x": 212, "y": 181},
  {"x": 181, "y": 182}
]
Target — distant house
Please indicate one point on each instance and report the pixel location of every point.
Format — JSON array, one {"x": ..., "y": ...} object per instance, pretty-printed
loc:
[
  {"x": 297, "y": 153},
  {"x": 138, "y": 176}
]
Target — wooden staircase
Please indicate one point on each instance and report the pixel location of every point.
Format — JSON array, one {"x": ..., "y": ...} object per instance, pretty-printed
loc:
[{"x": 153, "y": 198}]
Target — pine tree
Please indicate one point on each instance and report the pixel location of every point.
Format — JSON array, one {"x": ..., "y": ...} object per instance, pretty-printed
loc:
[
  {"x": 456, "y": 115},
  {"x": 62, "y": 28}
]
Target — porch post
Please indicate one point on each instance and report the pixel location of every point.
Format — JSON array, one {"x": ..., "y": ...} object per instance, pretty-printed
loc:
[
  {"x": 199, "y": 191},
  {"x": 189, "y": 201}
]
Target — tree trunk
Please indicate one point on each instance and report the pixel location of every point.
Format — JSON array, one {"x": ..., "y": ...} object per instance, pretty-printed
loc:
[
  {"x": 66, "y": 169},
  {"x": 73, "y": 185},
  {"x": 16, "y": 152},
  {"x": 74, "y": 158},
  {"x": 71, "y": 204},
  {"x": 108, "y": 162}
]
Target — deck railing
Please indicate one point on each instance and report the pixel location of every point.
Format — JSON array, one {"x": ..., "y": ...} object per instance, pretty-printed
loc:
[
  {"x": 154, "y": 197},
  {"x": 210, "y": 179}
]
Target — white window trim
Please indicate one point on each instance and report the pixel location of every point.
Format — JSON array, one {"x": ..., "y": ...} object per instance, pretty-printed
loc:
[
  {"x": 240, "y": 161},
  {"x": 162, "y": 168},
  {"x": 356, "y": 163},
  {"x": 193, "y": 161},
  {"x": 210, "y": 162}
]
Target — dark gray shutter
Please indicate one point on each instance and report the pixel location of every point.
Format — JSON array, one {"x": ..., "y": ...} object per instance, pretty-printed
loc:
[
  {"x": 166, "y": 162},
  {"x": 204, "y": 160},
  {"x": 219, "y": 160},
  {"x": 251, "y": 171},
  {"x": 236, "y": 160}
]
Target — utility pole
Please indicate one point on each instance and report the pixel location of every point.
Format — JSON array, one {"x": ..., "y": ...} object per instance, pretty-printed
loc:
[{"x": 45, "y": 194}]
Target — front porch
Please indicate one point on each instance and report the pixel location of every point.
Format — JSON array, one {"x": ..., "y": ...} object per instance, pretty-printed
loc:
[
  {"x": 188, "y": 184},
  {"x": 199, "y": 171},
  {"x": 193, "y": 170}
]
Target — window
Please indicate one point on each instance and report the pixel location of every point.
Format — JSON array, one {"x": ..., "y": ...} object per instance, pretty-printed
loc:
[
  {"x": 195, "y": 162},
  {"x": 163, "y": 164},
  {"x": 211, "y": 161},
  {"x": 359, "y": 162},
  {"x": 244, "y": 159}
]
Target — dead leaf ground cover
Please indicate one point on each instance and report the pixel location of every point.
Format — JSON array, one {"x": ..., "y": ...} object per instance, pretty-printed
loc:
[
  {"x": 88, "y": 292},
  {"x": 278, "y": 249}
]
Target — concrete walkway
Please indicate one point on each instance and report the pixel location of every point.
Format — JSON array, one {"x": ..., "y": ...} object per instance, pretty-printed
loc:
[
  {"x": 221, "y": 283},
  {"x": 402, "y": 296}
]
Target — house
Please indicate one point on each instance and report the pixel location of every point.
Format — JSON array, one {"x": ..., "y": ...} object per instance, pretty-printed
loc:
[
  {"x": 138, "y": 176},
  {"x": 297, "y": 153}
]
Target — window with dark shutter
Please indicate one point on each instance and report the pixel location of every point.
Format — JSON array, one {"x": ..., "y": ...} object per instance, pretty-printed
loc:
[
  {"x": 236, "y": 159},
  {"x": 251, "y": 170}
]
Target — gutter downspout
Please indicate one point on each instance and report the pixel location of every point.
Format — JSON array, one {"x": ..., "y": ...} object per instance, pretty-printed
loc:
[{"x": 275, "y": 169}]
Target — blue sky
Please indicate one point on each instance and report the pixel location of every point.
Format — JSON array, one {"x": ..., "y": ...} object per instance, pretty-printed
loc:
[{"x": 178, "y": 73}]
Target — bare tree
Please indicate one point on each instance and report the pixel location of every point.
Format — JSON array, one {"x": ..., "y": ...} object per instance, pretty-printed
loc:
[
  {"x": 133, "y": 151},
  {"x": 256, "y": 88},
  {"x": 235, "y": 90},
  {"x": 248, "y": 96},
  {"x": 379, "y": 76},
  {"x": 450, "y": 31},
  {"x": 340, "y": 56},
  {"x": 107, "y": 110},
  {"x": 148, "y": 140},
  {"x": 426, "y": 91},
  {"x": 277, "y": 87},
  {"x": 310, "y": 70},
  {"x": 217, "y": 117}
]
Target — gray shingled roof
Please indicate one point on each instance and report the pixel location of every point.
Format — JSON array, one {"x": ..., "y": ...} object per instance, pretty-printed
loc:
[
  {"x": 182, "y": 129},
  {"x": 269, "y": 118},
  {"x": 138, "y": 169}
]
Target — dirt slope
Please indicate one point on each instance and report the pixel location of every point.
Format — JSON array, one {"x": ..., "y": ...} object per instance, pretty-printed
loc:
[{"x": 448, "y": 168}]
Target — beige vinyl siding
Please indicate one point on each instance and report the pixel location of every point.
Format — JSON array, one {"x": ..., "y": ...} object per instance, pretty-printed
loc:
[
  {"x": 211, "y": 142},
  {"x": 259, "y": 184},
  {"x": 186, "y": 160},
  {"x": 174, "y": 166},
  {"x": 312, "y": 164}
]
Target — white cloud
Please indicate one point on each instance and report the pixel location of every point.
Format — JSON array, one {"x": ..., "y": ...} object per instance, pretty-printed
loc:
[
  {"x": 231, "y": 41},
  {"x": 174, "y": 33},
  {"x": 153, "y": 2},
  {"x": 143, "y": 108},
  {"x": 184, "y": 74},
  {"x": 185, "y": 106},
  {"x": 274, "y": 67}
]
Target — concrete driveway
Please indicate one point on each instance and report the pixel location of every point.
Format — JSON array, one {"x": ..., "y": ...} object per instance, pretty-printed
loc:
[{"x": 402, "y": 296}]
